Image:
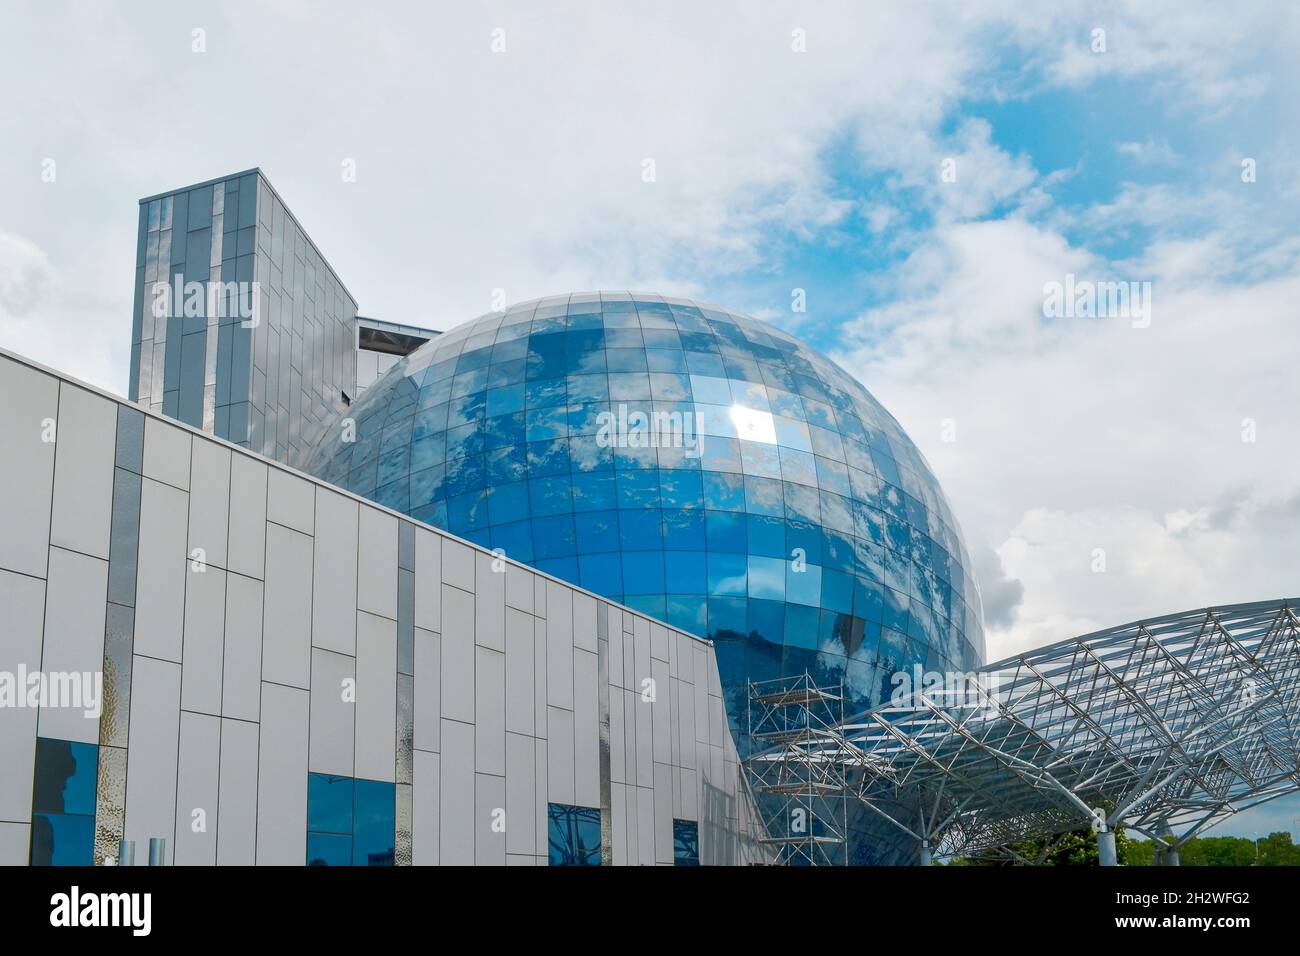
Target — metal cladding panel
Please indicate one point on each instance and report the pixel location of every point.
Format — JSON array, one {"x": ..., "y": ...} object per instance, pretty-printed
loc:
[{"x": 254, "y": 626}]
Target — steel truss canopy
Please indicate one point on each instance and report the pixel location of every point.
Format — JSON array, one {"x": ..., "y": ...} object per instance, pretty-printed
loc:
[{"x": 1164, "y": 726}]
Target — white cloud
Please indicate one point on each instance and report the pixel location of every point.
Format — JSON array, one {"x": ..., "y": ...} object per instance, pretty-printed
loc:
[{"x": 1078, "y": 434}]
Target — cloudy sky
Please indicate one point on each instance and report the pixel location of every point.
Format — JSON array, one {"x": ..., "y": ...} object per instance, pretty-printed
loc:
[{"x": 922, "y": 172}]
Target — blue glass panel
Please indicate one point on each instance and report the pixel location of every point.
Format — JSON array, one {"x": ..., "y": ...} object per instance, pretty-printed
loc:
[
  {"x": 727, "y": 573},
  {"x": 686, "y": 843},
  {"x": 329, "y": 849},
  {"x": 329, "y": 803},
  {"x": 643, "y": 572},
  {"x": 66, "y": 775},
  {"x": 641, "y": 530},
  {"x": 686, "y": 572},
  {"x": 573, "y": 835},
  {"x": 62, "y": 839},
  {"x": 373, "y": 834}
]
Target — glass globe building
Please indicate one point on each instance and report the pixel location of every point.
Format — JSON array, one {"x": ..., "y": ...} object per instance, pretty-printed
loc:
[{"x": 793, "y": 522}]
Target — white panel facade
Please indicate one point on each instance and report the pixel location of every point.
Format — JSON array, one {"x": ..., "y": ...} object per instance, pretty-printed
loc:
[
  {"x": 83, "y": 472},
  {"x": 273, "y": 653}
]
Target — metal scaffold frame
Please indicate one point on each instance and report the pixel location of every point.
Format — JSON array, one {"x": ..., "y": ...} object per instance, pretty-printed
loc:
[
  {"x": 1164, "y": 727},
  {"x": 803, "y": 791}
]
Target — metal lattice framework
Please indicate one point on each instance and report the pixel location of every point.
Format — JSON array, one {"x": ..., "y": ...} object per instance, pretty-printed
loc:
[
  {"x": 803, "y": 812},
  {"x": 1165, "y": 726}
]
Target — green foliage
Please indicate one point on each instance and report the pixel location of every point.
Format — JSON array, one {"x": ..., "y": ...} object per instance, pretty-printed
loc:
[
  {"x": 1276, "y": 849},
  {"x": 1080, "y": 849}
]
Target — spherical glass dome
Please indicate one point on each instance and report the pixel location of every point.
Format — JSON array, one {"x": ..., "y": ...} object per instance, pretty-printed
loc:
[{"x": 696, "y": 464}]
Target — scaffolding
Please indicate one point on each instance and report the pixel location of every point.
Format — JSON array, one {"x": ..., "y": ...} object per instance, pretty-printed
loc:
[
  {"x": 798, "y": 769},
  {"x": 1164, "y": 727}
]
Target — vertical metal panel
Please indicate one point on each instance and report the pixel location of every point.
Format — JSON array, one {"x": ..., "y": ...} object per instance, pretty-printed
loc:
[
  {"x": 210, "y": 501},
  {"x": 428, "y": 580},
  {"x": 334, "y": 573},
  {"x": 333, "y": 712},
  {"x": 237, "y": 803},
  {"x": 489, "y": 818},
  {"x": 167, "y": 453},
  {"x": 241, "y": 680},
  {"x": 204, "y": 643},
  {"x": 489, "y": 711},
  {"x": 425, "y": 805},
  {"x": 83, "y": 472},
  {"x": 197, "y": 786},
  {"x": 290, "y": 501},
  {"x": 287, "y": 615},
  {"x": 74, "y": 638},
  {"x": 15, "y": 838},
  {"x": 30, "y": 400},
  {"x": 457, "y": 565},
  {"x": 247, "y": 516},
  {"x": 23, "y": 600},
  {"x": 520, "y": 667},
  {"x": 282, "y": 777},
  {"x": 584, "y": 621},
  {"x": 519, "y": 587},
  {"x": 428, "y": 690},
  {"x": 521, "y": 794},
  {"x": 586, "y": 729},
  {"x": 376, "y": 696},
  {"x": 377, "y": 567},
  {"x": 663, "y": 814},
  {"x": 151, "y": 761},
  {"x": 457, "y": 654},
  {"x": 456, "y": 801},
  {"x": 161, "y": 570},
  {"x": 489, "y": 602},
  {"x": 559, "y": 746},
  {"x": 559, "y": 646}
]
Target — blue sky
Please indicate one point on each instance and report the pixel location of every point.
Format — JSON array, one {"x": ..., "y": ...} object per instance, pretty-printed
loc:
[{"x": 775, "y": 170}]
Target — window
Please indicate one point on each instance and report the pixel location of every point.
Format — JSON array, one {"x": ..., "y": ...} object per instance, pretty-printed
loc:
[
  {"x": 686, "y": 843},
  {"x": 350, "y": 822},
  {"x": 574, "y": 835},
  {"x": 63, "y": 803}
]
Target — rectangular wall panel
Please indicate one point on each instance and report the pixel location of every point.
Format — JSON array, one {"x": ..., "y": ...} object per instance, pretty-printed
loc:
[
  {"x": 428, "y": 690},
  {"x": 197, "y": 786},
  {"x": 286, "y": 625},
  {"x": 161, "y": 569},
  {"x": 282, "y": 777},
  {"x": 210, "y": 502},
  {"x": 376, "y": 706},
  {"x": 151, "y": 760},
  {"x": 22, "y": 601},
  {"x": 377, "y": 567},
  {"x": 425, "y": 810},
  {"x": 456, "y": 801},
  {"x": 75, "y": 609},
  {"x": 457, "y": 654},
  {"x": 333, "y": 712},
  {"x": 83, "y": 472},
  {"x": 334, "y": 573},
  {"x": 247, "y": 541},
  {"x": 28, "y": 429},
  {"x": 237, "y": 801},
  {"x": 204, "y": 643}
]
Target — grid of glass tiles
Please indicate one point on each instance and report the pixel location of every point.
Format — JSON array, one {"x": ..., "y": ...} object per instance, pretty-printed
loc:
[
  {"x": 270, "y": 385},
  {"x": 804, "y": 531}
]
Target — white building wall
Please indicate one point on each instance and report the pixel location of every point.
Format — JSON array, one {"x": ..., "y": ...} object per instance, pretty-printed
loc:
[{"x": 261, "y": 596}]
